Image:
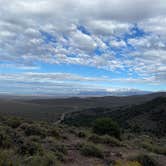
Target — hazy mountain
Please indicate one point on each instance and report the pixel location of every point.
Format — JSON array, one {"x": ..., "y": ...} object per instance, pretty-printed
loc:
[
  {"x": 114, "y": 92},
  {"x": 50, "y": 108}
]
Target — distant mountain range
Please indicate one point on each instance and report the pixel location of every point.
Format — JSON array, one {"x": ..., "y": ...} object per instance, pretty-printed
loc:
[
  {"x": 90, "y": 93},
  {"x": 44, "y": 108},
  {"x": 114, "y": 92}
]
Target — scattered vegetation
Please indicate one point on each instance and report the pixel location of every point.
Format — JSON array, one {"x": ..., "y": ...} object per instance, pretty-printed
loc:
[
  {"x": 106, "y": 139},
  {"x": 81, "y": 134},
  {"x": 107, "y": 126},
  {"x": 154, "y": 148},
  {"x": 103, "y": 141},
  {"x": 91, "y": 150},
  {"x": 127, "y": 163},
  {"x": 133, "y": 118},
  {"x": 147, "y": 160},
  {"x": 49, "y": 159}
]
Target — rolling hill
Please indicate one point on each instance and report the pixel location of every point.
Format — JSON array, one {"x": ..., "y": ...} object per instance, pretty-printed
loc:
[
  {"x": 50, "y": 109},
  {"x": 149, "y": 116}
]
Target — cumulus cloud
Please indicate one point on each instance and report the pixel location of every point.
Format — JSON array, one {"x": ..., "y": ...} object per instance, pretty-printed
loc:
[
  {"x": 86, "y": 33},
  {"x": 115, "y": 43}
]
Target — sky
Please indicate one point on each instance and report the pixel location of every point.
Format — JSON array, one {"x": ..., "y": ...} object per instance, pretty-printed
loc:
[{"x": 69, "y": 46}]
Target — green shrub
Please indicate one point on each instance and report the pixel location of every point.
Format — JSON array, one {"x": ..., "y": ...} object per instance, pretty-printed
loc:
[
  {"x": 81, "y": 134},
  {"x": 60, "y": 156},
  {"x": 13, "y": 122},
  {"x": 91, "y": 150},
  {"x": 35, "y": 138},
  {"x": 48, "y": 140},
  {"x": 54, "y": 132},
  {"x": 154, "y": 148},
  {"x": 33, "y": 129},
  {"x": 5, "y": 139},
  {"x": 58, "y": 148},
  {"x": 48, "y": 159},
  {"x": 136, "y": 128},
  {"x": 8, "y": 158},
  {"x": 160, "y": 150},
  {"x": 111, "y": 141},
  {"x": 127, "y": 163},
  {"x": 105, "y": 126},
  {"x": 29, "y": 148},
  {"x": 148, "y": 146},
  {"x": 106, "y": 139},
  {"x": 146, "y": 160}
]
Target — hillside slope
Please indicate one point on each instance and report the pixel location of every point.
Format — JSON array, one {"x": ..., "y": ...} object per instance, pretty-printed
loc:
[
  {"x": 148, "y": 117},
  {"x": 51, "y": 109}
]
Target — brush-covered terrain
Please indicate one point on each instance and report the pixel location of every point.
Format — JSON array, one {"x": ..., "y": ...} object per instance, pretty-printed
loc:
[
  {"x": 31, "y": 143},
  {"x": 148, "y": 117},
  {"x": 130, "y": 135}
]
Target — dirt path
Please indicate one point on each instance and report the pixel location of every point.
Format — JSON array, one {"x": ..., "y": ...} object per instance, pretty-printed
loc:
[
  {"x": 63, "y": 115},
  {"x": 61, "y": 119}
]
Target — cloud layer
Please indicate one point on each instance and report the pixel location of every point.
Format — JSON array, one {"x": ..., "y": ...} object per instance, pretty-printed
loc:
[{"x": 123, "y": 37}]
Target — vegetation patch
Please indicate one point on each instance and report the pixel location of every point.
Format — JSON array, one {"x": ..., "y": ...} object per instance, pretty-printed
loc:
[
  {"x": 48, "y": 159},
  {"x": 127, "y": 163},
  {"x": 91, "y": 150},
  {"x": 106, "y": 139},
  {"x": 154, "y": 148},
  {"x": 146, "y": 160},
  {"x": 106, "y": 126}
]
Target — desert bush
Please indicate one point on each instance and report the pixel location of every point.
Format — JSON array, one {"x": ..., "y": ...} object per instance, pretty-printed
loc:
[
  {"x": 106, "y": 139},
  {"x": 72, "y": 130},
  {"x": 147, "y": 145},
  {"x": 58, "y": 148},
  {"x": 5, "y": 139},
  {"x": 48, "y": 140},
  {"x": 60, "y": 156},
  {"x": 146, "y": 160},
  {"x": 135, "y": 128},
  {"x": 52, "y": 144},
  {"x": 13, "y": 122},
  {"x": 54, "y": 132},
  {"x": 48, "y": 159},
  {"x": 29, "y": 148},
  {"x": 81, "y": 134},
  {"x": 95, "y": 138},
  {"x": 35, "y": 138},
  {"x": 92, "y": 150},
  {"x": 8, "y": 158},
  {"x": 154, "y": 148},
  {"x": 33, "y": 129},
  {"x": 160, "y": 150},
  {"x": 127, "y": 163},
  {"x": 23, "y": 126},
  {"x": 105, "y": 126}
]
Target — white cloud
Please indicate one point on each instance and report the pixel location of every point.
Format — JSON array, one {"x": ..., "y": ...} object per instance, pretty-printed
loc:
[
  {"x": 115, "y": 43},
  {"x": 155, "y": 25},
  {"x": 139, "y": 42},
  {"x": 64, "y": 83},
  {"x": 82, "y": 41},
  {"x": 22, "y": 43},
  {"x": 108, "y": 27}
]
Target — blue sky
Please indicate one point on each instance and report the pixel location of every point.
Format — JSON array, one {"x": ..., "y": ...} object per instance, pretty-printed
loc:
[{"x": 67, "y": 47}]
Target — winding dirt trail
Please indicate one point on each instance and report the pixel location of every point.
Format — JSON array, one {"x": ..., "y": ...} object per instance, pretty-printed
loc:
[{"x": 61, "y": 119}]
